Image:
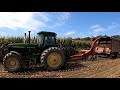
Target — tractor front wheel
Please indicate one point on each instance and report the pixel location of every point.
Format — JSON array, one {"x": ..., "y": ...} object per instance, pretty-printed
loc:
[
  {"x": 12, "y": 62},
  {"x": 52, "y": 58}
]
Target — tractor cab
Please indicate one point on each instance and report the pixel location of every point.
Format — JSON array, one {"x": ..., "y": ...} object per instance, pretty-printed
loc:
[{"x": 46, "y": 38}]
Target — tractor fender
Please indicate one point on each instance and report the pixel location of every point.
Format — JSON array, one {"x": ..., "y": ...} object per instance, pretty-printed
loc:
[{"x": 14, "y": 52}]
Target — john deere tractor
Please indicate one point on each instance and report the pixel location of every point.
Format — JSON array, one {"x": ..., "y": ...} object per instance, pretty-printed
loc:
[{"x": 45, "y": 53}]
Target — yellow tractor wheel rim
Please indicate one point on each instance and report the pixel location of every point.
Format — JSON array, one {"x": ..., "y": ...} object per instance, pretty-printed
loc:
[
  {"x": 54, "y": 59},
  {"x": 12, "y": 63}
]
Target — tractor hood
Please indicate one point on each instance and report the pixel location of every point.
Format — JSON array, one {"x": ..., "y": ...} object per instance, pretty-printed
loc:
[{"x": 22, "y": 45}]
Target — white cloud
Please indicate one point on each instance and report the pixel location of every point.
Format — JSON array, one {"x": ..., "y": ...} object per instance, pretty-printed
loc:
[
  {"x": 64, "y": 15},
  {"x": 26, "y": 20},
  {"x": 98, "y": 29},
  {"x": 43, "y": 16},
  {"x": 60, "y": 19},
  {"x": 69, "y": 33},
  {"x": 57, "y": 24},
  {"x": 113, "y": 25},
  {"x": 95, "y": 26},
  {"x": 34, "y": 21}
]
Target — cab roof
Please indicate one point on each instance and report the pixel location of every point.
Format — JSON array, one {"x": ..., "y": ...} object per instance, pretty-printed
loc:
[{"x": 45, "y": 32}]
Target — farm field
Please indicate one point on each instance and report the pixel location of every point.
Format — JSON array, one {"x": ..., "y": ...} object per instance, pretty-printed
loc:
[
  {"x": 44, "y": 41},
  {"x": 103, "y": 68}
]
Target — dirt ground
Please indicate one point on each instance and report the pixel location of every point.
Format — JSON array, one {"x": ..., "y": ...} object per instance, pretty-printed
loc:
[{"x": 103, "y": 68}]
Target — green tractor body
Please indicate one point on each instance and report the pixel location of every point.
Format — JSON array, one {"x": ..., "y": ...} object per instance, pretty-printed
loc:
[
  {"x": 45, "y": 52},
  {"x": 29, "y": 51}
]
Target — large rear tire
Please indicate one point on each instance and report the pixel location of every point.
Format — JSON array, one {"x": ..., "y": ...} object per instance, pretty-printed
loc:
[
  {"x": 52, "y": 58},
  {"x": 12, "y": 62}
]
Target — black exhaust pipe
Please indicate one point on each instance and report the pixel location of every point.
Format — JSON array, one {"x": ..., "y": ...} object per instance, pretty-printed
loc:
[
  {"x": 29, "y": 37},
  {"x": 25, "y": 38}
]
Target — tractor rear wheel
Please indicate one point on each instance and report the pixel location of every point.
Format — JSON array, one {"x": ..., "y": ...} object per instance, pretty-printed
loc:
[
  {"x": 12, "y": 62},
  {"x": 52, "y": 58}
]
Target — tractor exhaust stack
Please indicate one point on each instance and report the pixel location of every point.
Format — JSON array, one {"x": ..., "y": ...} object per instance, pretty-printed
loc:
[
  {"x": 25, "y": 38},
  {"x": 29, "y": 37}
]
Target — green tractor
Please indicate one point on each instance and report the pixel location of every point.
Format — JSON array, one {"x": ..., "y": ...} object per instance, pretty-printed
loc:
[{"x": 45, "y": 53}]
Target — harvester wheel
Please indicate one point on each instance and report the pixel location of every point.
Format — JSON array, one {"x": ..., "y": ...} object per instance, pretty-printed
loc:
[
  {"x": 12, "y": 62},
  {"x": 113, "y": 55},
  {"x": 52, "y": 58},
  {"x": 118, "y": 55},
  {"x": 90, "y": 58}
]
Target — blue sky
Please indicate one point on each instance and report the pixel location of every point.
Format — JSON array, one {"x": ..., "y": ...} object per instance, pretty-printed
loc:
[{"x": 65, "y": 24}]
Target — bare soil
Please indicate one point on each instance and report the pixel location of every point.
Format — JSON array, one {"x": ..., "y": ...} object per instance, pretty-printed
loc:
[{"x": 103, "y": 68}]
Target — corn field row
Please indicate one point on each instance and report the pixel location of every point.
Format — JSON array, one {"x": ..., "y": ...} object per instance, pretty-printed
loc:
[
  {"x": 61, "y": 41},
  {"x": 73, "y": 43}
]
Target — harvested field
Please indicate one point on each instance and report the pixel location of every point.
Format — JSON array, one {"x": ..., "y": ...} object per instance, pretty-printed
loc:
[{"x": 104, "y": 68}]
